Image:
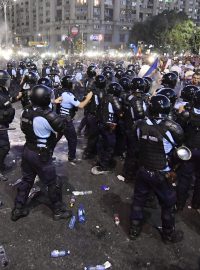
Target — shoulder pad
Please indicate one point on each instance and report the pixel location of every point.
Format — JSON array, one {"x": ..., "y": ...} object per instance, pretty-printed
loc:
[
  {"x": 116, "y": 103},
  {"x": 55, "y": 120},
  {"x": 175, "y": 129}
]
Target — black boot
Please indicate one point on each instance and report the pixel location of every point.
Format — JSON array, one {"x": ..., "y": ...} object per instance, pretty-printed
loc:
[
  {"x": 18, "y": 213},
  {"x": 172, "y": 238},
  {"x": 135, "y": 230}
]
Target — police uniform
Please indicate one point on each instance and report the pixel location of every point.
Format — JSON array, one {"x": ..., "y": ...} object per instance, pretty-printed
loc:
[
  {"x": 88, "y": 86},
  {"x": 191, "y": 167},
  {"x": 7, "y": 114},
  {"x": 157, "y": 138},
  {"x": 39, "y": 126},
  {"x": 55, "y": 79},
  {"x": 68, "y": 108},
  {"x": 92, "y": 124},
  {"x": 109, "y": 113},
  {"x": 156, "y": 141},
  {"x": 134, "y": 109}
]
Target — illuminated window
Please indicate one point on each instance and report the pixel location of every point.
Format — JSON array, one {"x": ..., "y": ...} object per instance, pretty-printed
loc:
[
  {"x": 96, "y": 3},
  {"x": 81, "y": 2}
]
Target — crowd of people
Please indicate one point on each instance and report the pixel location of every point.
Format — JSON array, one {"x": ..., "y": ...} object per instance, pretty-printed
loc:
[{"x": 152, "y": 122}]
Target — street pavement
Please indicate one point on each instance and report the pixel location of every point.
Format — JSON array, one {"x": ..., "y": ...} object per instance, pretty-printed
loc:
[{"x": 29, "y": 241}]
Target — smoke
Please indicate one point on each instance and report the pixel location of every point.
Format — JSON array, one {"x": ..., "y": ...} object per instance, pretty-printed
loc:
[{"x": 3, "y": 31}]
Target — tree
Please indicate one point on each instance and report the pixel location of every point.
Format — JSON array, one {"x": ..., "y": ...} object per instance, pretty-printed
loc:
[
  {"x": 179, "y": 38},
  {"x": 156, "y": 29},
  {"x": 195, "y": 41}
]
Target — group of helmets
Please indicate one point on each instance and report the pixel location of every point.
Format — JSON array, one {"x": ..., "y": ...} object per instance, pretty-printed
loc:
[{"x": 127, "y": 80}]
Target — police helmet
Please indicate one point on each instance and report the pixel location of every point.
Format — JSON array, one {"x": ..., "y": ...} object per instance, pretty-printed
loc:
[
  {"x": 9, "y": 65},
  {"x": 30, "y": 77},
  {"x": 107, "y": 68},
  {"x": 22, "y": 64},
  {"x": 169, "y": 80},
  {"x": 159, "y": 105},
  {"x": 5, "y": 79},
  {"x": 187, "y": 94},
  {"x": 91, "y": 71},
  {"x": 131, "y": 67},
  {"x": 138, "y": 85},
  {"x": 114, "y": 89},
  {"x": 45, "y": 81},
  {"x": 118, "y": 66},
  {"x": 33, "y": 67},
  {"x": 67, "y": 82},
  {"x": 119, "y": 74},
  {"x": 125, "y": 83},
  {"x": 100, "y": 81},
  {"x": 41, "y": 95},
  {"x": 108, "y": 75},
  {"x": 130, "y": 73},
  {"x": 169, "y": 93}
]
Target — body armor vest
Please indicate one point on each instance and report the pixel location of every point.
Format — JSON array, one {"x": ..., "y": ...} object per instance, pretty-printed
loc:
[
  {"x": 193, "y": 133},
  {"x": 110, "y": 106},
  {"x": 7, "y": 112},
  {"x": 10, "y": 73},
  {"x": 27, "y": 128},
  {"x": 65, "y": 111},
  {"x": 25, "y": 100},
  {"x": 152, "y": 153},
  {"x": 133, "y": 110}
]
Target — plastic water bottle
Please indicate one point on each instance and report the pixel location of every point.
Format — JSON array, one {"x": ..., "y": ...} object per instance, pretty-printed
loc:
[
  {"x": 81, "y": 214},
  {"x": 97, "y": 267},
  {"x": 72, "y": 222},
  {"x": 57, "y": 253},
  {"x": 105, "y": 188},
  {"x": 82, "y": 193},
  {"x": 104, "y": 266},
  {"x": 3, "y": 257}
]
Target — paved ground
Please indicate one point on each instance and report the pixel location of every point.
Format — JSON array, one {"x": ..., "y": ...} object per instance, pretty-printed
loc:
[{"x": 29, "y": 241}]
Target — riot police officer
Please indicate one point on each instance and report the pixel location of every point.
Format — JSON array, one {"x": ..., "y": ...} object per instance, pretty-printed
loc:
[
  {"x": 157, "y": 138},
  {"x": 46, "y": 68},
  {"x": 171, "y": 95},
  {"x": 21, "y": 71},
  {"x": 134, "y": 108},
  {"x": 169, "y": 80},
  {"x": 54, "y": 77},
  {"x": 192, "y": 139},
  {"x": 88, "y": 86},
  {"x": 110, "y": 111},
  {"x": 13, "y": 74},
  {"x": 93, "y": 117},
  {"x": 30, "y": 79},
  {"x": 7, "y": 114},
  {"x": 39, "y": 124},
  {"x": 68, "y": 107}
]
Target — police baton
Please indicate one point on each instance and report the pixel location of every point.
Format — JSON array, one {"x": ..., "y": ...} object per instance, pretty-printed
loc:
[{"x": 5, "y": 129}]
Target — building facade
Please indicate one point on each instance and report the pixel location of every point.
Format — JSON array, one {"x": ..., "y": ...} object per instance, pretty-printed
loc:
[{"x": 101, "y": 23}]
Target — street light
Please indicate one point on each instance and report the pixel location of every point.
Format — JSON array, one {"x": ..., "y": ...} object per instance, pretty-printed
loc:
[{"x": 4, "y": 4}]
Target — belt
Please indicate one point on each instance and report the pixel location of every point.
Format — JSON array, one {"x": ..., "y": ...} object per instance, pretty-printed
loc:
[{"x": 35, "y": 148}]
